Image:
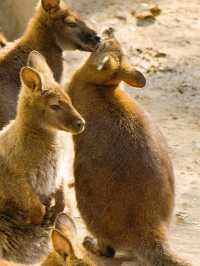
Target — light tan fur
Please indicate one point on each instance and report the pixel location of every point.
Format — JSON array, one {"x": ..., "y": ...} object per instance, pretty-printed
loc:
[
  {"x": 54, "y": 27},
  {"x": 30, "y": 162},
  {"x": 124, "y": 179}
]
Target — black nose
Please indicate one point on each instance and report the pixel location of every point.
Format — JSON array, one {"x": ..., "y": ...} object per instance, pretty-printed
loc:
[
  {"x": 79, "y": 125},
  {"x": 92, "y": 37},
  {"x": 97, "y": 39}
]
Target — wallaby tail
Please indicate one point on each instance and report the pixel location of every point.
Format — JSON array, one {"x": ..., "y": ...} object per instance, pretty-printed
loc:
[
  {"x": 26, "y": 244},
  {"x": 160, "y": 254}
]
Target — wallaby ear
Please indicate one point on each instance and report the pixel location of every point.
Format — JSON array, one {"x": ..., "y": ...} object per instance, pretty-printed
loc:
[
  {"x": 133, "y": 77},
  {"x": 37, "y": 61},
  {"x": 66, "y": 225},
  {"x": 50, "y": 5},
  {"x": 130, "y": 75},
  {"x": 61, "y": 244},
  {"x": 31, "y": 78}
]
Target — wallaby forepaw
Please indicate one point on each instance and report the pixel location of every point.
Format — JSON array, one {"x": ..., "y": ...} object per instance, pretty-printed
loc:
[
  {"x": 73, "y": 261},
  {"x": 92, "y": 246}
]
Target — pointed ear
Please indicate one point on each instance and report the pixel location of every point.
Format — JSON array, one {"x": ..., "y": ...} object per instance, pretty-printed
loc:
[
  {"x": 50, "y": 5},
  {"x": 61, "y": 244},
  {"x": 133, "y": 77},
  {"x": 31, "y": 78},
  {"x": 37, "y": 61},
  {"x": 130, "y": 75},
  {"x": 66, "y": 225}
]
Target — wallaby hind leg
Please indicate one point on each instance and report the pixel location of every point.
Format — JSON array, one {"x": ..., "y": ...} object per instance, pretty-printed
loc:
[
  {"x": 157, "y": 253},
  {"x": 99, "y": 247}
]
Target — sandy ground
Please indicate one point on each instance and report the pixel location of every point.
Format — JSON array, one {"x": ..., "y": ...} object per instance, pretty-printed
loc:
[{"x": 167, "y": 50}]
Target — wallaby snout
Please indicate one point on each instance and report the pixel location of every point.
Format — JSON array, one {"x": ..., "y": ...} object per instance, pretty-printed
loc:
[
  {"x": 90, "y": 40},
  {"x": 79, "y": 125},
  {"x": 72, "y": 121}
]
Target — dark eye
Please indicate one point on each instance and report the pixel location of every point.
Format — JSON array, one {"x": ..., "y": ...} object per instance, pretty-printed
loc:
[
  {"x": 55, "y": 107},
  {"x": 71, "y": 24}
]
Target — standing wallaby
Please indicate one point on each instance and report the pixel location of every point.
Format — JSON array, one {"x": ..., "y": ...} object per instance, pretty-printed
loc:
[
  {"x": 64, "y": 240},
  {"x": 30, "y": 161},
  {"x": 53, "y": 28},
  {"x": 124, "y": 180}
]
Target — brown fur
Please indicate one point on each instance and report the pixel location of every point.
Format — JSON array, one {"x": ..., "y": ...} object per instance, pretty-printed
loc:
[
  {"x": 30, "y": 162},
  {"x": 124, "y": 179},
  {"x": 53, "y": 28}
]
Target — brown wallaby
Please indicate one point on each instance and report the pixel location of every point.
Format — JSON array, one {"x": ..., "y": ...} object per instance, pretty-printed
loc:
[
  {"x": 3, "y": 40},
  {"x": 53, "y": 28},
  {"x": 30, "y": 161},
  {"x": 63, "y": 239},
  {"x": 124, "y": 179}
]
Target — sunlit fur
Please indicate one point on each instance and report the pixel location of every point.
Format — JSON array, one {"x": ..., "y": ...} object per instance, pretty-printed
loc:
[{"x": 124, "y": 180}]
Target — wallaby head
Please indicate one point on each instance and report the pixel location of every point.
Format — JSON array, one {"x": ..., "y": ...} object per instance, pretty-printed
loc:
[
  {"x": 108, "y": 65},
  {"x": 63, "y": 240},
  {"x": 69, "y": 30},
  {"x": 44, "y": 101}
]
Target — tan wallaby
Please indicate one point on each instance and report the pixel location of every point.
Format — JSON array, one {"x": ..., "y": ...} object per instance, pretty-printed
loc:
[
  {"x": 3, "y": 40},
  {"x": 124, "y": 179},
  {"x": 63, "y": 239},
  {"x": 53, "y": 28},
  {"x": 30, "y": 161}
]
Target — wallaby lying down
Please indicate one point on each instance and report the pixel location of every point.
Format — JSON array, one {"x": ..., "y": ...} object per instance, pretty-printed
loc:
[
  {"x": 124, "y": 180},
  {"x": 53, "y": 28},
  {"x": 30, "y": 162}
]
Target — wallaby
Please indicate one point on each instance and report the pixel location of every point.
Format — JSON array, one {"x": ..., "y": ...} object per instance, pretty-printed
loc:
[
  {"x": 53, "y": 28},
  {"x": 63, "y": 239},
  {"x": 3, "y": 40},
  {"x": 124, "y": 178},
  {"x": 30, "y": 161}
]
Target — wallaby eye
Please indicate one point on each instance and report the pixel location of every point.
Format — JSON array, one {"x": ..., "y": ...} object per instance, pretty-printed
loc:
[
  {"x": 55, "y": 107},
  {"x": 71, "y": 24}
]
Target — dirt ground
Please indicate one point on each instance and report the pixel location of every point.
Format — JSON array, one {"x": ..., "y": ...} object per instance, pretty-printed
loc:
[{"x": 167, "y": 49}]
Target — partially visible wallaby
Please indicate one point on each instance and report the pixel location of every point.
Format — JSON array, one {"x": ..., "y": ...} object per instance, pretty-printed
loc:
[
  {"x": 30, "y": 161},
  {"x": 124, "y": 179},
  {"x": 53, "y": 28},
  {"x": 3, "y": 40},
  {"x": 63, "y": 239}
]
